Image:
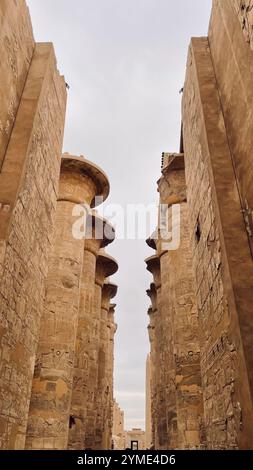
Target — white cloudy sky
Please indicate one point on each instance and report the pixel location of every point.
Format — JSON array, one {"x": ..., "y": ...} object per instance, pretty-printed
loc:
[{"x": 125, "y": 63}]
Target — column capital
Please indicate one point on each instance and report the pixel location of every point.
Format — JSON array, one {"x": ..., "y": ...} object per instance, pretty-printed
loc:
[
  {"x": 172, "y": 185},
  {"x": 152, "y": 294},
  {"x": 153, "y": 266},
  {"x": 99, "y": 233},
  {"x": 152, "y": 240},
  {"x": 151, "y": 333},
  {"x": 81, "y": 181},
  {"x": 109, "y": 291},
  {"x": 155, "y": 242},
  {"x": 112, "y": 325},
  {"x": 150, "y": 311},
  {"x": 106, "y": 266},
  {"x": 112, "y": 309}
]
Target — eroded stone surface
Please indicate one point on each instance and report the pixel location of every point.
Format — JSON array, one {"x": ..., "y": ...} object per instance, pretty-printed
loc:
[
  {"x": 28, "y": 185},
  {"x": 16, "y": 50},
  {"x": 244, "y": 9},
  {"x": 176, "y": 396},
  {"x": 218, "y": 235},
  {"x": 47, "y": 274}
]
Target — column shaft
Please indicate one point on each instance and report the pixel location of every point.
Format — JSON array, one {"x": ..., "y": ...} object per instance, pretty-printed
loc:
[
  {"x": 76, "y": 439},
  {"x": 49, "y": 417},
  {"x": 93, "y": 368},
  {"x": 53, "y": 378}
]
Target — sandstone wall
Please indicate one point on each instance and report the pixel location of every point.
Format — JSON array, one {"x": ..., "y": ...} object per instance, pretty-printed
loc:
[
  {"x": 137, "y": 436},
  {"x": 56, "y": 375},
  {"x": 244, "y": 10},
  {"x": 118, "y": 435},
  {"x": 231, "y": 38},
  {"x": 221, "y": 257},
  {"x": 28, "y": 187},
  {"x": 16, "y": 50}
]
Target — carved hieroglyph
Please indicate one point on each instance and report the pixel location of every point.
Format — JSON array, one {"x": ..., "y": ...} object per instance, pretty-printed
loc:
[{"x": 244, "y": 10}]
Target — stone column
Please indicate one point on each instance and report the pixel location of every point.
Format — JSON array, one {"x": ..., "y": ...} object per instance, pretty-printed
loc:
[
  {"x": 112, "y": 326},
  {"x": 152, "y": 332},
  {"x": 151, "y": 335},
  {"x": 106, "y": 266},
  {"x": 148, "y": 412},
  {"x": 109, "y": 291},
  {"x": 152, "y": 340},
  {"x": 101, "y": 233},
  {"x": 180, "y": 319},
  {"x": 153, "y": 266},
  {"x": 80, "y": 182}
]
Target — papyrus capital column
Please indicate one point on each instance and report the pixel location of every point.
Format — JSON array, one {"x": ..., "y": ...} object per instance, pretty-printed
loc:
[
  {"x": 153, "y": 266},
  {"x": 104, "y": 383},
  {"x": 152, "y": 294},
  {"x": 112, "y": 326},
  {"x": 99, "y": 233},
  {"x": 80, "y": 182},
  {"x": 106, "y": 266}
]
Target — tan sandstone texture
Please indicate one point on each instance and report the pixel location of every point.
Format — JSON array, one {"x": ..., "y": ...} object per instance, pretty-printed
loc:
[
  {"x": 201, "y": 323},
  {"x": 174, "y": 362},
  {"x": 118, "y": 432},
  {"x": 32, "y": 114},
  {"x": 50, "y": 334}
]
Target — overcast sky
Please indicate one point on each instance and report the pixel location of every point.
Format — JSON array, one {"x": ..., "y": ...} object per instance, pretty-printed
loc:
[{"x": 125, "y": 63}]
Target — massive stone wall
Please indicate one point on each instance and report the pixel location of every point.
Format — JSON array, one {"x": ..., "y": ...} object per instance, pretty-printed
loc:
[
  {"x": 16, "y": 50},
  {"x": 45, "y": 270},
  {"x": 28, "y": 182},
  {"x": 221, "y": 257},
  {"x": 217, "y": 239},
  {"x": 118, "y": 433},
  {"x": 234, "y": 79},
  {"x": 244, "y": 10}
]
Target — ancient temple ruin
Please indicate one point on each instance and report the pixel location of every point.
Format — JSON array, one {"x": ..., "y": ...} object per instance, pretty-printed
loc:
[
  {"x": 56, "y": 316},
  {"x": 200, "y": 371},
  {"x": 57, "y": 293}
]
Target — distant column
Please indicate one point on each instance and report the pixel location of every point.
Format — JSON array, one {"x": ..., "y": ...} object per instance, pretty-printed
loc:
[
  {"x": 153, "y": 266},
  {"x": 112, "y": 326},
  {"x": 153, "y": 330},
  {"x": 106, "y": 266},
  {"x": 48, "y": 427},
  {"x": 148, "y": 419},
  {"x": 101, "y": 234},
  {"x": 180, "y": 320},
  {"x": 109, "y": 291}
]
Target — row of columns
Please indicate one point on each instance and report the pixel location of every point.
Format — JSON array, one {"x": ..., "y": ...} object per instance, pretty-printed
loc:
[
  {"x": 67, "y": 386},
  {"x": 176, "y": 392}
]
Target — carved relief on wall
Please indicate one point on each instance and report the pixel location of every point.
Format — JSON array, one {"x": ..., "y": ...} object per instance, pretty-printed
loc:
[{"x": 244, "y": 10}]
